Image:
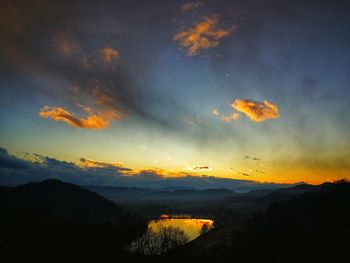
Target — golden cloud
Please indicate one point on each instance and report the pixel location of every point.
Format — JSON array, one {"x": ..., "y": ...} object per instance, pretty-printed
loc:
[
  {"x": 256, "y": 111},
  {"x": 91, "y": 163},
  {"x": 203, "y": 35},
  {"x": 98, "y": 120},
  {"x": 109, "y": 54}
]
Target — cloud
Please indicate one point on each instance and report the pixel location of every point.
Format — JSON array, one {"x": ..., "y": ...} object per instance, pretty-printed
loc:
[
  {"x": 256, "y": 111},
  {"x": 109, "y": 54},
  {"x": 99, "y": 120},
  {"x": 15, "y": 171},
  {"x": 234, "y": 116},
  {"x": 199, "y": 168},
  {"x": 194, "y": 120},
  {"x": 87, "y": 163},
  {"x": 66, "y": 45},
  {"x": 9, "y": 161},
  {"x": 205, "y": 34},
  {"x": 42, "y": 41},
  {"x": 190, "y": 6},
  {"x": 216, "y": 112}
]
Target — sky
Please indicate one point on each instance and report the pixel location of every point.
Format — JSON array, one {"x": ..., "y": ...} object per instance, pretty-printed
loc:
[{"x": 246, "y": 90}]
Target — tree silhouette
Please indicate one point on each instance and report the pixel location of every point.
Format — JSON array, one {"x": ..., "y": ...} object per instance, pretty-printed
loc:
[{"x": 159, "y": 241}]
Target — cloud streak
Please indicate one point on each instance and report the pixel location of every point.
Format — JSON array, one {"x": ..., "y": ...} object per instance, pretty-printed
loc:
[
  {"x": 199, "y": 168},
  {"x": 234, "y": 116},
  {"x": 257, "y": 111},
  {"x": 204, "y": 35}
]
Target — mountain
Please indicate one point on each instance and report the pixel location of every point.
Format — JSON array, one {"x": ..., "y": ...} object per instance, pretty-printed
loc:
[
  {"x": 59, "y": 199},
  {"x": 53, "y": 221},
  {"x": 311, "y": 227},
  {"x": 134, "y": 194}
]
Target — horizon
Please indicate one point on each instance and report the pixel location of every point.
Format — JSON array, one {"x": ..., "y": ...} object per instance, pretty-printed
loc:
[{"x": 19, "y": 168}]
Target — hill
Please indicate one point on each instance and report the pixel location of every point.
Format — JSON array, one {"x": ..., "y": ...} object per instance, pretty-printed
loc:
[{"x": 54, "y": 221}]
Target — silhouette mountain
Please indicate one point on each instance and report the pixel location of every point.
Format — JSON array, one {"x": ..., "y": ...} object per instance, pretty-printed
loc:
[
  {"x": 59, "y": 199},
  {"x": 54, "y": 221}
]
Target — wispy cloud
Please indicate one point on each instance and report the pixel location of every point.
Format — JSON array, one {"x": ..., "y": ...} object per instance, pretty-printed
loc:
[
  {"x": 194, "y": 120},
  {"x": 205, "y": 34},
  {"x": 190, "y": 6},
  {"x": 257, "y": 111},
  {"x": 66, "y": 45},
  {"x": 234, "y": 116}
]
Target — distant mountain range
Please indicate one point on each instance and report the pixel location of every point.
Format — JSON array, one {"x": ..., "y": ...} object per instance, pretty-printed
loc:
[{"x": 134, "y": 194}]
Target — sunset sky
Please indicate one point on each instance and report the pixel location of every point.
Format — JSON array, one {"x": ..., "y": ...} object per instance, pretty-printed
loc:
[{"x": 249, "y": 90}]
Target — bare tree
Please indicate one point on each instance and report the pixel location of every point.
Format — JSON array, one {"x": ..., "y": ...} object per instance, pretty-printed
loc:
[{"x": 159, "y": 241}]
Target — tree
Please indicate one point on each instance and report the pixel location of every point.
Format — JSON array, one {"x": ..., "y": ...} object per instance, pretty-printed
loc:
[
  {"x": 205, "y": 228},
  {"x": 159, "y": 241}
]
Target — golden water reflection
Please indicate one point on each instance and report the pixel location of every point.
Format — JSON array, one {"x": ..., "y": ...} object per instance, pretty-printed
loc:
[{"x": 191, "y": 226}]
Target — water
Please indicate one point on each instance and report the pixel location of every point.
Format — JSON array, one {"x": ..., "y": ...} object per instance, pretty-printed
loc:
[{"x": 191, "y": 226}]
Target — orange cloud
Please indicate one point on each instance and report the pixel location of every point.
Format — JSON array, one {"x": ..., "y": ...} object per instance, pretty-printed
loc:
[
  {"x": 257, "y": 111},
  {"x": 203, "y": 35},
  {"x": 234, "y": 116},
  {"x": 98, "y": 120},
  {"x": 91, "y": 163},
  {"x": 109, "y": 53}
]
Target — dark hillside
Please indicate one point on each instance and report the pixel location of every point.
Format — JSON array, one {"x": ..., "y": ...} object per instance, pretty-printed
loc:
[
  {"x": 54, "y": 221},
  {"x": 313, "y": 227}
]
